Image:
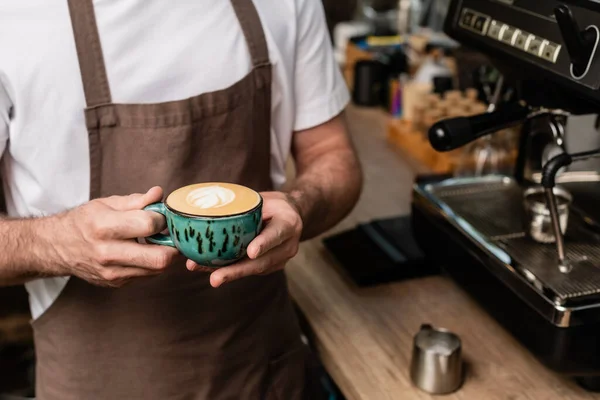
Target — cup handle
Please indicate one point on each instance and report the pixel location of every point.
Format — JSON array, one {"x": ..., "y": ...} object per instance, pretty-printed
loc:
[{"x": 159, "y": 238}]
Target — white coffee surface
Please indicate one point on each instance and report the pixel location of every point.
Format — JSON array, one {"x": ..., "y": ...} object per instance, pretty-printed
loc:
[
  {"x": 213, "y": 199},
  {"x": 210, "y": 197}
]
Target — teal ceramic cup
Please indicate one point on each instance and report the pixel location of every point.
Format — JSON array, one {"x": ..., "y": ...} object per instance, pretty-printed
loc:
[{"x": 209, "y": 241}]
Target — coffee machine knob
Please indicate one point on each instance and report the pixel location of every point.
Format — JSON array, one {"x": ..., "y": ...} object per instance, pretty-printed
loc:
[{"x": 581, "y": 44}]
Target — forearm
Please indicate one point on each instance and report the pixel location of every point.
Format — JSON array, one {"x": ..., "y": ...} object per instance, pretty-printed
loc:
[
  {"x": 326, "y": 189},
  {"x": 22, "y": 249}
]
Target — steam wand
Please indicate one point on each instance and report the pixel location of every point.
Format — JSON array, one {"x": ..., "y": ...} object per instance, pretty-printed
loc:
[{"x": 549, "y": 182}]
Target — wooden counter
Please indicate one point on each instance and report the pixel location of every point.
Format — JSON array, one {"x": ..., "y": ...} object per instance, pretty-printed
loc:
[{"x": 364, "y": 336}]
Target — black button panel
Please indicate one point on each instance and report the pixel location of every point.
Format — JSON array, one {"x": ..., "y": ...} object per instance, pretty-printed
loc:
[
  {"x": 509, "y": 35},
  {"x": 474, "y": 21}
]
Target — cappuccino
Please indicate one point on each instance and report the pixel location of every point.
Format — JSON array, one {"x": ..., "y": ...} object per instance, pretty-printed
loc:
[{"x": 213, "y": 199}]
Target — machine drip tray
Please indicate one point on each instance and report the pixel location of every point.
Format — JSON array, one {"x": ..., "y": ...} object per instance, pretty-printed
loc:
[
  {"x": 491, "y": 213},
  {"x": 473, "y": 228},
  {"x": 379, "y": 252}
]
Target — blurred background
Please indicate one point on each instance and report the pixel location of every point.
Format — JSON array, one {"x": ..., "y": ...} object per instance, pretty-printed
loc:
[{"x": 405, "y": 75}]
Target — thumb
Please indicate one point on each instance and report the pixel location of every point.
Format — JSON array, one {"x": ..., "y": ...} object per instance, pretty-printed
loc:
[{"x": 135, "y": 201}]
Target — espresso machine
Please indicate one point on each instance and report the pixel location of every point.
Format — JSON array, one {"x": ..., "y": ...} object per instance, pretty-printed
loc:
[{"x": 526, "y": 246}]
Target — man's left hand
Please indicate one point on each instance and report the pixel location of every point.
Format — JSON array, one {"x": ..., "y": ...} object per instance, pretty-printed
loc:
[{"x": 271, "y": 249}]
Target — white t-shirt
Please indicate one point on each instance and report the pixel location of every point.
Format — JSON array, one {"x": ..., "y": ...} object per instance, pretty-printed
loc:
[{"x": 155, "y": 51}]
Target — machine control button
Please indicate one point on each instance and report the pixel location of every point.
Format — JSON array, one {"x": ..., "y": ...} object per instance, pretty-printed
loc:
[
  {"x": 509, "y": 35},
  {"x": 550, "y": 52},
  {"x": 521, "y": 40},
  {"x": 467, "y": 18},
  {"x": 535, "y": 46},
  {"x": 474, "y": 21},
  {"x": 481, "y": 24},
  {"x": 495, "y": 30}
]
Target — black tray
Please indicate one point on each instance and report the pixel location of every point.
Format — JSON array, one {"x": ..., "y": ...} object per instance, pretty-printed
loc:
[{"x": 379, "y": 252}]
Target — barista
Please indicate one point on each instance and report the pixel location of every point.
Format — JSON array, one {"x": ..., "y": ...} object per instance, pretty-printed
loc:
[{"x": 174, "y": 93}]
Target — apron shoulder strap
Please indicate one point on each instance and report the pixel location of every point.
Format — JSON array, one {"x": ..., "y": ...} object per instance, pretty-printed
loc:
[
  {"x": 89, "y": 52},
  {"x": 91, "y": 58},
  {"x": 253, "y": 31}
]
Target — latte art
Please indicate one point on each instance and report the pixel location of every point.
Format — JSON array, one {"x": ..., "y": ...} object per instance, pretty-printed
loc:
[
  {"x": 213, "y": 199},
  {"x": 210, "y": 197}
]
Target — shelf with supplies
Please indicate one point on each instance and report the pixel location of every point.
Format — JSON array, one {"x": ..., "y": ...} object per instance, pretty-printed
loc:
[
  {"x": 412, "y": 139},
  {"x": 369, "y": 48},
  {"x": 403, "y": 135},
  {"x": 422, "y": 109},
  {"x": 420, "y": 82}
]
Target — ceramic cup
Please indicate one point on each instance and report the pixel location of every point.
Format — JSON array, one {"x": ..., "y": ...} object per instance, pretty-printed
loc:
[{"x": 209, "y": 241}]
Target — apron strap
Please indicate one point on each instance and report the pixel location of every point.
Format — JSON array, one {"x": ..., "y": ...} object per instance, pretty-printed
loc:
[
  {"x": 91, "y": 58},
  {"x": 89, "y": 52},
  {"x": 253, "y": 31}
]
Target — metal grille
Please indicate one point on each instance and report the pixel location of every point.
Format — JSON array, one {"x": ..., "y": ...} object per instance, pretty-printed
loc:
[
  {"x": 480, "y": 207},
  {"x": 495, "y": 210},
  {"x": 540, "y": 260}
]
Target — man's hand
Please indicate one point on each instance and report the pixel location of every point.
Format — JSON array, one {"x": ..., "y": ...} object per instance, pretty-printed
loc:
[
  {"x": 271, "y": 249},
  {"x": 327, "y": 185},
  {"x": 96, "y": 241}
]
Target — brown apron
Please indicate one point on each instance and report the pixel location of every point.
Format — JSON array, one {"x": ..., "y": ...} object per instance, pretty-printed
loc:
[{"x": 174, "y": 336}]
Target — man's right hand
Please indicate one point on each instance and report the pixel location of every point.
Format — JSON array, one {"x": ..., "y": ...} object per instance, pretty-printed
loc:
[{"x": 96, "y": 241}]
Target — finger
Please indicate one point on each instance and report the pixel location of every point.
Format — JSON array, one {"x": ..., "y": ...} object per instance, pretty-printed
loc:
[
  {"x": 270, "y": 208},
  {"x": 141, "y": 256},
  {"x": 273, "y": 235},
  {"x": 118, "y": 276},
  {"x": 195, "y": 267},
  {"x": 218, "y": 282},
  {"x": 273, "y": 202},
  {"x": 134, "y": 224},
  {"x": 264, "y": 265},
  {"x": 135, "y": 201}
]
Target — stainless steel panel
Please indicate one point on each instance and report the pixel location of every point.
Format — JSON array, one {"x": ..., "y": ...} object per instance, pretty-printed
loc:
[{"x": 489, "y": 212}]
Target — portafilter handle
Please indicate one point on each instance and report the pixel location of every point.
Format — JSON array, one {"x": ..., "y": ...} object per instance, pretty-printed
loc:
[
  {"x": 450, "y": 134},
  {"x": 549, "y": 182}
]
